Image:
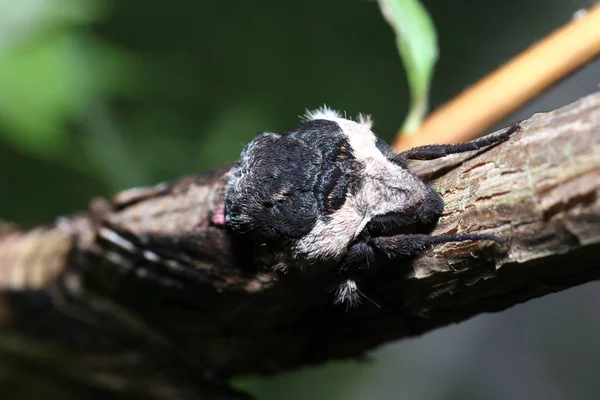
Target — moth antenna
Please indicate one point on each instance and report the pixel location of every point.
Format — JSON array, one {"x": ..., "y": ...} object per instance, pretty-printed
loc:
[{"x": 360, "y": 292}]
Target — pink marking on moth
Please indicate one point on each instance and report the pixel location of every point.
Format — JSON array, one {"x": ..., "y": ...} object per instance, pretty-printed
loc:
[{"x": 218, "y": 216}]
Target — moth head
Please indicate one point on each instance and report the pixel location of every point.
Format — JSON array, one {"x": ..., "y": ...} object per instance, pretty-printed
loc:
[{"x": 320, "y": 186}]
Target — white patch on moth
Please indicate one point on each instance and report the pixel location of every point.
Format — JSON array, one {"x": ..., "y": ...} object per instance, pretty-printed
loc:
[
  {"x": 347, "y": 291},
  {"x": 323, "y": 112},
  {"x": 117, "y": 239},
  {"x": 386, "y": 187},
  {"x": 329, "y": 239},
  {"x": 360, "y": 137},
  {"x": 365, "y": 120},
  {"x": 333, "y": 115},
  {"x": 362, "y": 141}
]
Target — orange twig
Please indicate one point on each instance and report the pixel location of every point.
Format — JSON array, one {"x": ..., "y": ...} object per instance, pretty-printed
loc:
[{"x": 512, "y": 85}]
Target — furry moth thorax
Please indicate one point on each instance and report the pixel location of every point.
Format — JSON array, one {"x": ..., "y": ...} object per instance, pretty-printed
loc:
[{"x": 329, "y": 191}]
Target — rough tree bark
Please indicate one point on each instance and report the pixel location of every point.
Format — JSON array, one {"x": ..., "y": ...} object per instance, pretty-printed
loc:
[{"x": 123, "y": 332}]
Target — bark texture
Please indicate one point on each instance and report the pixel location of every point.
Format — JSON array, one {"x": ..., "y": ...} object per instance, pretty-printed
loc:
[{"x": 172, "y": 332}]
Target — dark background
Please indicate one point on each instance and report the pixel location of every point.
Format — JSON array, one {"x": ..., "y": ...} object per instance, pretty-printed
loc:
[{"x": 97, "y": 96}]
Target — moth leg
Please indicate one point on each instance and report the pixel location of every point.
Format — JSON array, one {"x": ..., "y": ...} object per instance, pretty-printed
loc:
[
  {"x": 410, "y": 245},
  {"x": 360, "y": 255},
  {"x": 434, "y": 151}
]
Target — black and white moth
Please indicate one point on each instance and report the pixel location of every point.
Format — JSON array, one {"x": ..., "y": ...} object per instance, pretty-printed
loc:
[{"x": 330, "y": 192}]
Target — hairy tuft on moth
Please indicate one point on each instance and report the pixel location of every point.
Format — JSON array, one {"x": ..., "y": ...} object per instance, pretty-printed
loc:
[{"x": 330, "y": 192}]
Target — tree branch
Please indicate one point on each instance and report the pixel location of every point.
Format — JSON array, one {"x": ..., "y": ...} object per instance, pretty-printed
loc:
[{"x": 540, "y": 191}]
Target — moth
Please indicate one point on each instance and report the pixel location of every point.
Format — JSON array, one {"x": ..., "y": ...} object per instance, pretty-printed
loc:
[
  {"x": 329, "y": 192},
  {"x": 327, "y": 195}
]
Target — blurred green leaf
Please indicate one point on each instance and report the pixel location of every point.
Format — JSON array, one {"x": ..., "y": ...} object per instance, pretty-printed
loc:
[
  {"x": 51, "y": 73},
  {"x": 417, "y": 43},
  {"x": 40, "y": 86},
  {"x": 50, "y": 83},
  {"x": 23, "y": 20},
  {"x": 43, "y": 79}
]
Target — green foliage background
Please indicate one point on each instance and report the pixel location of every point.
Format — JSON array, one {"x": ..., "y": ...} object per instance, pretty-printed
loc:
[{"x": 100, "y": 95}]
